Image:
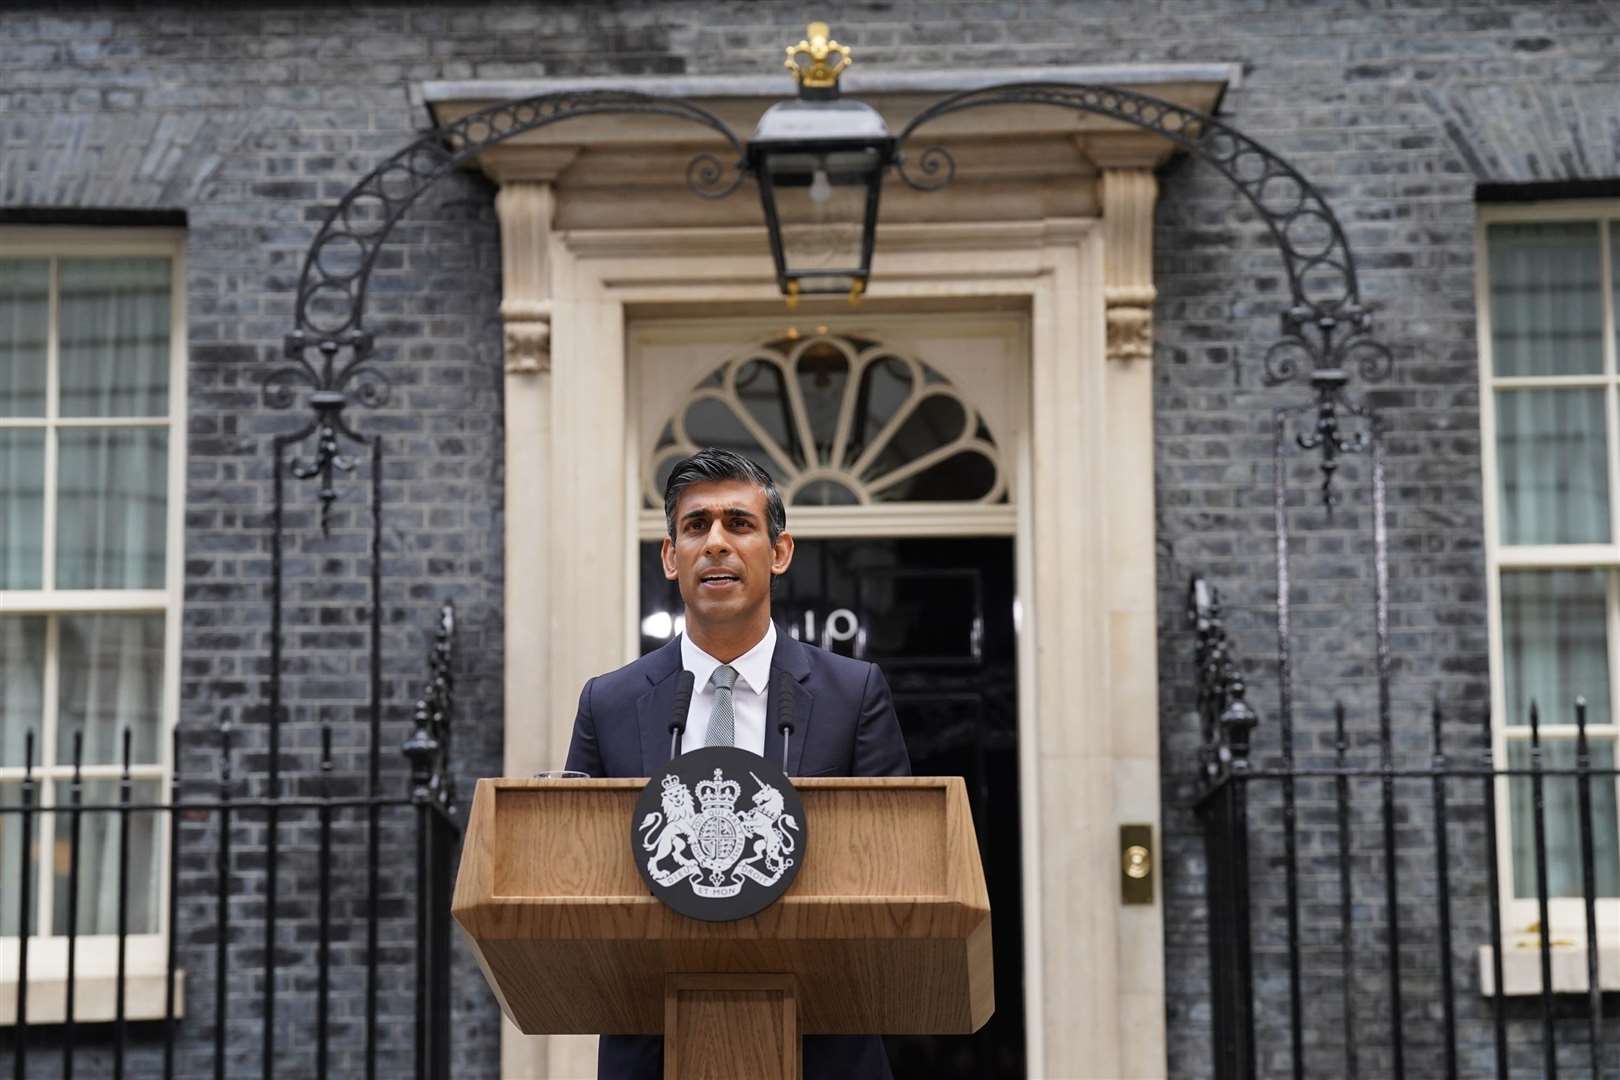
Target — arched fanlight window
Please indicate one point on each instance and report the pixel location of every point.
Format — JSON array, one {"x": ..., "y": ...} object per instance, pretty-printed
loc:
[{"x": 838, "y": 421}]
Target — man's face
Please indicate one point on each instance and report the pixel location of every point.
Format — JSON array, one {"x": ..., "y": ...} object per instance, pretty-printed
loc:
[{"x": 722, "y": 555}]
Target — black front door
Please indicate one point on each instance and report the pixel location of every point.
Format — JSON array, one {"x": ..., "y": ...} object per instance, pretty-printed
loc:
[{"x": 937, "y": 616}]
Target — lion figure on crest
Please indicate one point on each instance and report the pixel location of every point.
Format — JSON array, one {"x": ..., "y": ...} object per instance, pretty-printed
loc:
[{"x": 673, "y": 826}]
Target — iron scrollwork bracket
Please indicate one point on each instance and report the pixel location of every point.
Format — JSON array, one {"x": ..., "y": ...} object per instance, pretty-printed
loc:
[{"x": 337, "y": 374}]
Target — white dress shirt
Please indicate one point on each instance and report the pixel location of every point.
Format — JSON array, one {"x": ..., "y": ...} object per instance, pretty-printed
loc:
[{"x": 747, "y": 696}]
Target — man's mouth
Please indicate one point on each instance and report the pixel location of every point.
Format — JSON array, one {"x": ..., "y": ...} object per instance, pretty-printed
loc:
[{"x": 717, "y": 579}]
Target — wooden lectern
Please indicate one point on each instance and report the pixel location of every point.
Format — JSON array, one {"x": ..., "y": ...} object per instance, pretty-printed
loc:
[{"x": 886, "y": 930}]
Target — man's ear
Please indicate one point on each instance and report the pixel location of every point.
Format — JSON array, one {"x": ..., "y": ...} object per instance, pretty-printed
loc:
[
  {"x": 782, "y": 554},
  {"x": 666, "y": 554}
]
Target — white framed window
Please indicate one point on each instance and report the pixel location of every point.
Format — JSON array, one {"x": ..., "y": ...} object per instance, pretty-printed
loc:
[
  {"x": 92, "y": 467},
  {"x": 1548, "y": 275}
]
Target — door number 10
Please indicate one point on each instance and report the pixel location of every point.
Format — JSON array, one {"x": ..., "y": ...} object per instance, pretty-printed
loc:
[{"x": 840, "y": 625}]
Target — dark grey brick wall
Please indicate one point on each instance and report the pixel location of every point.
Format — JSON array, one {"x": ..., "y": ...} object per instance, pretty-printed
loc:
[{"x": 251, "y": 118}]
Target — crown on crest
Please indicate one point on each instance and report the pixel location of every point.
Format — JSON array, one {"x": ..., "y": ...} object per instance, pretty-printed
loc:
[
  {"x": 817, "y": 61},
  {"x": 719, "y": 793},
  {"x": 671, "y": 782}
]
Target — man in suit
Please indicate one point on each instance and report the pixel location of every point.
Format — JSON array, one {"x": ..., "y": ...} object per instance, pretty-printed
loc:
[{"x": 727, "y": 539}]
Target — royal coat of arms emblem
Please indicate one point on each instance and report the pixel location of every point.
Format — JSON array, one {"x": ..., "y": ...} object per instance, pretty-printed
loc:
[{"x": 707, "y": 848}]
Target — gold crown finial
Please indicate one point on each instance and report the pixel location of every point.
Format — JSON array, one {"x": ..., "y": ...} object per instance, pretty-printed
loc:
[{"x": 808, "y": 60}]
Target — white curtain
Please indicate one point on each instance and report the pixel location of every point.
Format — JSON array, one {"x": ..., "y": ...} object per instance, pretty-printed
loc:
[
  {"x": 1552, "y": 466},
  {"x": 1547, "y": 319},
  {"x": 98, "y": 861},
  {"x": 1561, "y": 821},
  {"x": 22, "y": 667},
  {"x": 1546, "y": 298},
  {"x": 112, "y": 482},
  {"x": 111, "y": 508},
  {"x": 111, "y": 672},
  {"x": 24, "y": 315},
  {"x": 1555, "y": 648}
]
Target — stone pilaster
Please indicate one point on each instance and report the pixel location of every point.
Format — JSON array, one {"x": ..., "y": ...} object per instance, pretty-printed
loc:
[
  {"x": 1128, "y": 195},
  {"x": 526, "y": 209}
]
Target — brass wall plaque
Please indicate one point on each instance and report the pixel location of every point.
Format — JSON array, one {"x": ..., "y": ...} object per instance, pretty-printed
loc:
[{"x": 1136, "y": 864}]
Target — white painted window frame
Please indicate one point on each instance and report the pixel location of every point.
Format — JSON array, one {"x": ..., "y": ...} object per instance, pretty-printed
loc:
[
  {"x": 96, "y": 957},
  {"x": 1566, "y": 914}
]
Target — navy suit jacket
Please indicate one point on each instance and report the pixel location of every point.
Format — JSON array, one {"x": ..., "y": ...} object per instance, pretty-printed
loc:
[{"x": 845, "y": 726}]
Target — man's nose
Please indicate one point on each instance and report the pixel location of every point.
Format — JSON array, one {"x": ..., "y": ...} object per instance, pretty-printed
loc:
[{"x": 718, "y": 539}]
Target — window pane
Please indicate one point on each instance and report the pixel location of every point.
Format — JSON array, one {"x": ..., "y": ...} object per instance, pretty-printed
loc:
[
  {"x": 11, "y": 855},
  {"x": 1555, "y": 644},
  {"x": 1614, "y": 277},
  {"x": 1546, "y": 299},
  {"x": 823, "y": 376},
  {"x": 98, "y": 859},
  {"x": 115, "y": 337},
  {"x": 763, "y": 392},
  {"x": 1563, "y": 835},
  {"x": 1552, "y": 466},
  {"x": 22, "y": 688},
  {"x": 24, "y": 324},
  {"x": 22, "y": 508},
  {"x": 111, "y": 508},
  {"x": 111, "y": 675}
]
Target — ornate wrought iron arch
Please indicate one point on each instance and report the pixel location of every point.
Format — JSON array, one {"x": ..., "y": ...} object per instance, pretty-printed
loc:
[
  {"x": 329, "y": 346},
  {"x": 1326, "y": 323},
  {"x": 1326, "y": 327}
]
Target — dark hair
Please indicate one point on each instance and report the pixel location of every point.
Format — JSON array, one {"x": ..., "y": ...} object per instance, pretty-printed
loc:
[{"x": 712, "y": 463}]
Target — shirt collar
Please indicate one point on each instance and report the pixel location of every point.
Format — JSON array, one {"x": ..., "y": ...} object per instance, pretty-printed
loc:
[{"x": 753, "y": 667}]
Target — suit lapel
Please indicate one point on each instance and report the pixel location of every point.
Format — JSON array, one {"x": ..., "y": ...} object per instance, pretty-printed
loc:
[
  {"x": 653, "y": 708},
  {"x": 790, "y": 667}
]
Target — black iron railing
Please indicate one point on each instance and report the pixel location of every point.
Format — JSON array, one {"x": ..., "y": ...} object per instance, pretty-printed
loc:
[
  {"x": 232, "y": 828},
  {"x": 1406, "y": 978}
]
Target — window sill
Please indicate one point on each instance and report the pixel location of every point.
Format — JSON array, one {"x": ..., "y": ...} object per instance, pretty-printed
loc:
[
  {"x": 95, "y": 983},
  {"x": 1521, "y": 967}
]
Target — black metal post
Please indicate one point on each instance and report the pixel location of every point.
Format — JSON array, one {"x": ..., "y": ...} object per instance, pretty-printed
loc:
[
  {"x": 1386, "y": 747},
  {"x": 273, "y": 779},
  {"x": 373, "y": 826},
  {"x": 1494, "y": 896},
  {"x": 1549, "y": 1048},
  {"x": 25, "y": 901},
  {"x": 120, "y": 1004},
  {"x": 1285, "y": 731},
  {"x": 1594, "y": 986},
  {"x": 170, "y": 1004},
  {"x": 1347, "y": 952},
  {"x": 222, "y": 909},
  {"x": 1448, "y": 988},
  {"x": 1216, "y": 812},
  {"x": 323, "y": 958},
  {"x": 75, "y": 814},
  {"x": 1237, "y": 723},
  {"x": 443, "y": 878},
  {"x": 421, "y": 749}
]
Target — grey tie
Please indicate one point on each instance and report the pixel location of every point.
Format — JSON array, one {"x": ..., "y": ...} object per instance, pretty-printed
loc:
[{"x": 722, "y": 720}]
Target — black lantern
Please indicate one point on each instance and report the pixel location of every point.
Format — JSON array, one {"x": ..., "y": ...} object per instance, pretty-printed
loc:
[{"x": 819, "y": 162}]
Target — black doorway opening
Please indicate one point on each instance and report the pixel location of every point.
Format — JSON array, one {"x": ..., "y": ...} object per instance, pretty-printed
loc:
[{"x": 936, "y": 614}]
